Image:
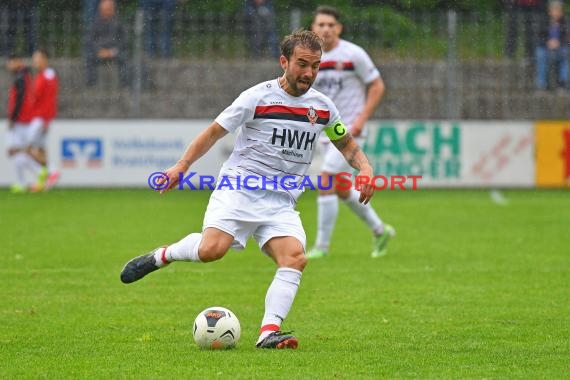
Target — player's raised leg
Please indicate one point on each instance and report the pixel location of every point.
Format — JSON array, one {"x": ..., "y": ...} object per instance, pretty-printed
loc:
[
  {"x": 208, "y": 246},
  {"x": 289, "y": 255}
]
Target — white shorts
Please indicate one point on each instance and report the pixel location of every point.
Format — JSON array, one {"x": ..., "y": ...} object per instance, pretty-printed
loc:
[
  {"x": 261, "y": 214},
  {"x": 17, "y": 136},
  {"x": 333, "y": 161},
  {"x": 37, "y": 133}
]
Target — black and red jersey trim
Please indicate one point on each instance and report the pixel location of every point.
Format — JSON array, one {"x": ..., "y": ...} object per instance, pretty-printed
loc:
[
  {"x": 336, "y": 65},
  {"x": 290, "y": 113}
]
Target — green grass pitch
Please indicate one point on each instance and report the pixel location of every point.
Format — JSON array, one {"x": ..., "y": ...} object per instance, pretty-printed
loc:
[{"x": 469, "y": 289}]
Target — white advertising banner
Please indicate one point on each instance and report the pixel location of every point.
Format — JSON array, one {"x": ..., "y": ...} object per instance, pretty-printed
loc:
[
  {"x": 454, "y": 154},
  {"x": 115, "y": 153}
]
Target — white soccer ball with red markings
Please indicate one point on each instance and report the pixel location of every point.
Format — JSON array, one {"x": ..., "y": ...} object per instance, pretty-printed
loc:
[{"x": 216, "y": 327}]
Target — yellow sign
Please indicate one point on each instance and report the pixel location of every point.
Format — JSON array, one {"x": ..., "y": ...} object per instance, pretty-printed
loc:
[{"x": 553, "y": 154}]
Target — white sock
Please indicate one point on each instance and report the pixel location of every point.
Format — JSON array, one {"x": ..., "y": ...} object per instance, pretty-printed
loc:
[
  {"x": 365, "y": 212},
  {"x": 33, "y": 165},
  {"x": 160, "y": 257},
  {"x": 184, "y": 250},
  {"x": 19, "y": 162},
  {"x": 327, "y": 213},
  {"x": 279, "y": 299}
]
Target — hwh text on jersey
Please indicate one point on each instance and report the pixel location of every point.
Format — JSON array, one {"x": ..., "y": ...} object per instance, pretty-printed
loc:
[{"x": 293, "y": 139}]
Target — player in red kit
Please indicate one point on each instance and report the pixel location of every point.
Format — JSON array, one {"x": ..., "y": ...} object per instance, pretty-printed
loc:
[
  {"x": 44, "y": 110},
  {"x": 19, "y": 117}
]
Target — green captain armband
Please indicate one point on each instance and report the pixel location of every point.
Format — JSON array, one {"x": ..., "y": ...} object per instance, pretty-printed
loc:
[{"x": 336, "y": 130}]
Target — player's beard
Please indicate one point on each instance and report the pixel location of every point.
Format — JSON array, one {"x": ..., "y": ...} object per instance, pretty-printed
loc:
[{"x": 293, "y": 82}]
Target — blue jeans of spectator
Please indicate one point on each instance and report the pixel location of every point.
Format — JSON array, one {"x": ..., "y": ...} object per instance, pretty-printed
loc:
[
  {"x": 547, "y": 59},
  {"x": 89, "y": 14},
  {"x": 158, "y": 25}
]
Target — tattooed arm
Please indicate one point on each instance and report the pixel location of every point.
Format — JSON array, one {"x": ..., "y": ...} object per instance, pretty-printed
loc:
[{"x": 352, "y": 153}]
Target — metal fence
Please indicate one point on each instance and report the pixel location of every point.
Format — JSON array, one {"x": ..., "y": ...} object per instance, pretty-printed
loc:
[
  {"x": 453, "y": 64},
  {"x": 386, "y": 35}
]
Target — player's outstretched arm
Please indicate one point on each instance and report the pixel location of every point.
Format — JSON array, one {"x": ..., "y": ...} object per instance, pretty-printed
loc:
[
  {"x": 196, "y": 149},
  {"x": 354, "y": 155}
]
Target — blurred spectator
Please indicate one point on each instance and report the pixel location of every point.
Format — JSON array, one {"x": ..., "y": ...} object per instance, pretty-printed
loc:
[
  {"x": 107, "y": 42},
  {"x": 89, "y": 12},
  {"x": 531, "y": 12},
  {"x": 158, "y": 23},
  {"x": 260, "y": 27},
  {"x": 19, "y": 13},
  {"x": 552, "y": 50}
]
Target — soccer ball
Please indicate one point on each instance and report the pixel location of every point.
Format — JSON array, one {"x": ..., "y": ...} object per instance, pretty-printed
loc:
[{"x": 216, "y": 327}]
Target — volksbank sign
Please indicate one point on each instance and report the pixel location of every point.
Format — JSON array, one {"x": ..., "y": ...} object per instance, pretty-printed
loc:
[
  {"x": 445, "y": 153},
  {"x": 453, "y": 153}
]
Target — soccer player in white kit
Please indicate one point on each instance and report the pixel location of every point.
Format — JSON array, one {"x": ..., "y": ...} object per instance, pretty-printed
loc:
[
  {"x": 348, "y": 76},
  {"x": 277, "y": 124}
]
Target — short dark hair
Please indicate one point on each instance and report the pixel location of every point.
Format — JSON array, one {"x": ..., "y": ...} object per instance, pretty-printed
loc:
[
  {"x": 327, "y": 10},
  {"x": 42, "y": 50},
  {"x": 302, "y": 37}
]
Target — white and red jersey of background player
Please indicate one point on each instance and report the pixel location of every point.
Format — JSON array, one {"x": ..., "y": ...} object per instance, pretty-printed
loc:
[
  {"x": 344, "y": 73},
  {"x": 277, "y": 133}
]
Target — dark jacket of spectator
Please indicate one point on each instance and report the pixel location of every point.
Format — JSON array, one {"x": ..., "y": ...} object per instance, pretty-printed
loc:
[
  {"x": 544, "y": 34},
  {"x": 107, "y": 34},
  {"x": 107, "y": 42}
]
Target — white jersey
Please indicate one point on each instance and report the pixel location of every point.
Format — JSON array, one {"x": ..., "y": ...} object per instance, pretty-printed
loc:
[
  {"x": 277, "y": 134},
  {"x": 344, "y": 73}
]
